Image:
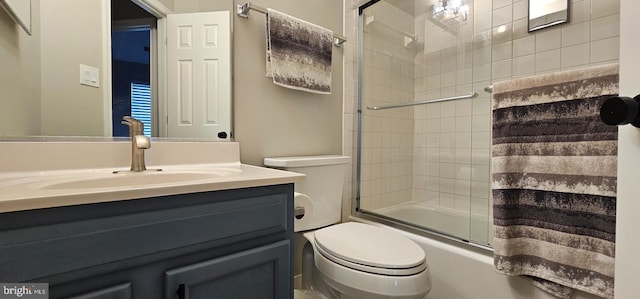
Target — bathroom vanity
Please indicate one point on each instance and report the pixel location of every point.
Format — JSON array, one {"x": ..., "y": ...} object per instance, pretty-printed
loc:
[{"x": 224, "y": 236}]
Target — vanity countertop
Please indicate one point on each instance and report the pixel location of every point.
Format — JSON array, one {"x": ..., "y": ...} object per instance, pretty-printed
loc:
[
  {"x": 54, "y": 174},
  {"x": 25, "y": 191}
]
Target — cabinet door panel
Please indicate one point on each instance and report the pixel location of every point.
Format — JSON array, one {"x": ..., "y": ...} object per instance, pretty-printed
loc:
[
  {"x": 121, "y": 291},
  {"x": 262, "y": 272}
]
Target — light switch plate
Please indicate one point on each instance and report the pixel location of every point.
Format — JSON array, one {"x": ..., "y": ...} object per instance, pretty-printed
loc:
[{"x": 89, "y": 76}]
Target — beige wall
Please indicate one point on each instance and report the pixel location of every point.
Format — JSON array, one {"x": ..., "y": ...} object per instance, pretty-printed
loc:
[
  {"x": 270, "y": 120},
  {"x": 186, "y": 6},
  {"x": 67, "y": 103},
  {"x": 274, "y": 121},
  {"x": 19, "y": 77}
]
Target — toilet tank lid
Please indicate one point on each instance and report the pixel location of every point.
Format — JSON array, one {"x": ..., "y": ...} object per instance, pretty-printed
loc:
[{"x": 306, "y": 161}]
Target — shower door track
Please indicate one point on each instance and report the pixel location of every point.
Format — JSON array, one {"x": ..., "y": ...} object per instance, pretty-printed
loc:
[{"x": 419, "y": 230}]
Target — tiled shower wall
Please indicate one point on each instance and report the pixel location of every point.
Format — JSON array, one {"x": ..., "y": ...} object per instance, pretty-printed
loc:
[{"x": 448, "y": 162}]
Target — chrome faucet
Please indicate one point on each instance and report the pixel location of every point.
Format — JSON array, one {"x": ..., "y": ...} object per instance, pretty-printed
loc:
[{"x": 139, "y": 143}]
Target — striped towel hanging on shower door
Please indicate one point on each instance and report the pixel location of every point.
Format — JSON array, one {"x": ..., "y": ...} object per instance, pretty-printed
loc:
[{"x": 554, "y": 180}]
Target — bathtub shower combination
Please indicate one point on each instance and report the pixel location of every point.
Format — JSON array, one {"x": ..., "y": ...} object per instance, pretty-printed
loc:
[{"x": 424, "y": 121}]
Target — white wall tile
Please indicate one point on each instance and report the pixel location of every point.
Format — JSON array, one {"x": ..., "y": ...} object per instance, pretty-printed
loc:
[
  {"x": 480, "y": 140},
  {"x": 580, "y": 11},
  {"x": 576, "y": 34},
  {"x": 463, "y": 156},
  {"x": 447, "y": 200},
  {"x": 500, "y": 3},
  {"x": 502, "y": 33},
  {"x": 601, "y": 8},
  {"x": 524, "y": 65},
  {"x": 448, "y": 109},
  {"x": 432, "y": 169},
  {"x": 605, "y": 49},
  {"x": 482, "y": 21},
  {"x": 481, "y": 173},
  {"x": 480, "y": 189},
  {"x": 463, "y": 171},
  {"x": 463, "y": 124},
  {"x": 548, "y": 60},
  {"x": 605, "y": 27},
  {"x": 462, "y": 203},
  {"x": 464, "y": 107},
  {"x": 447, "y": 170},
  {"x": 463, "y": 187},
  {"x": 448, "y": 124},
  {"x": 482, "y": 72},
  {"x": 520, "y": 9},
  {"x": 481, "y": 106},
  {"x": 482, "y": 55},
  {"x": 520, "y": 28},
  {"x": 524, "y": 46},
  {"x": 480, "y": 156},
  {"x": 576, "y": 55},
  {"x": 463, "y": 140},
  {"x": 481, "y": 123},
  {"x": 502, "y": 15},
  {"x": 501, "y": 51},
  {"x": 447, "y": 186},
  {"x": 479, "y": 206},
  {"x": 548, "y": 40},
  {"x": 501, "y": 69}
]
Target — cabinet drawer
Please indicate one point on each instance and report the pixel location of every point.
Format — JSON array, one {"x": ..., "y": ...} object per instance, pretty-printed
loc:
[
  {"x": 121, "y": 291},
  {"x": 261, "y": 272},
  {"x": 180, "y": 221}
]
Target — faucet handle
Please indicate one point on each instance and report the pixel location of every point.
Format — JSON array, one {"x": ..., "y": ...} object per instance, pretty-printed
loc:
[
  {"x": 136, "y": 127},
  {"x": 142, "y": 142}
]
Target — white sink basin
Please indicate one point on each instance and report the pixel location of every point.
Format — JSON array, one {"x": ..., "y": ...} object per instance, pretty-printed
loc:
[{"x": 136, "y": 179}]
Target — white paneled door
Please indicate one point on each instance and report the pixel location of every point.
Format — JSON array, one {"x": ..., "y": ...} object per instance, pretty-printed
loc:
[{"x": 199, "y": 75}]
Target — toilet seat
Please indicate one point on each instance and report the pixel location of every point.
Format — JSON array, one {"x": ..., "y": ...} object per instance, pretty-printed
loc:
[{"x": 370, "y": 249}]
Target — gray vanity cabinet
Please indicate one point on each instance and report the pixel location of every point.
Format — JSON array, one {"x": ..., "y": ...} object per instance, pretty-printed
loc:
[{"x": 222, "y": 244}]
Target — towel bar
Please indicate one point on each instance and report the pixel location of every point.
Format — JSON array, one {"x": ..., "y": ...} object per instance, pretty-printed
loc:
[
  {"x": 243, "y": 11},
  {"x": 468, "y": 96}
]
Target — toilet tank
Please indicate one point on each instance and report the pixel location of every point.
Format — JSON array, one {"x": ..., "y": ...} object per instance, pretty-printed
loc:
[{"x": 325, "y": 176}]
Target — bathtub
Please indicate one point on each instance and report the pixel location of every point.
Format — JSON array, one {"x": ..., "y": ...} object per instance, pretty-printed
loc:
[
  {"x": 444, "y": 220},
  {"x": 461, "y": 271}
]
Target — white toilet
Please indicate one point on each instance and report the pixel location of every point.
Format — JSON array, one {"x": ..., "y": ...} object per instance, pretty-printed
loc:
[{"x": 350, "y": 260}]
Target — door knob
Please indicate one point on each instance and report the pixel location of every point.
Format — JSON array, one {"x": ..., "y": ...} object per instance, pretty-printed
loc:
[{"x": 618, "y": 111}]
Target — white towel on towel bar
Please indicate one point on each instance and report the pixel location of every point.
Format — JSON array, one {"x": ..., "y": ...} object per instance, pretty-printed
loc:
[{"x": 298, "y": 53}]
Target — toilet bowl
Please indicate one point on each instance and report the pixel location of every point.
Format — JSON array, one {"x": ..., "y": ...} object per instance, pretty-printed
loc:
[
  {"x": 350, "y": 260},
  {"x": 359, "y": 260}
]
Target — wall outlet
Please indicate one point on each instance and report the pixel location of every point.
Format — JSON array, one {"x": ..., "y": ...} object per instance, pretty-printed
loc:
[{"x": 89, "y": 76}]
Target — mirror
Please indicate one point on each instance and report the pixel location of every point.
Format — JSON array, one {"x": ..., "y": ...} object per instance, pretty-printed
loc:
[
  {"x": 19, "y": 11},
  {"x": 546, "y": 13},
  {"x": 57, "y": 81}
]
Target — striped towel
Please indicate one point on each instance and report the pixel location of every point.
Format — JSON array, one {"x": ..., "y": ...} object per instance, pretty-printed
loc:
[
  {"x": 298, "y": 53},
  {"x": 554, "y": 180}
]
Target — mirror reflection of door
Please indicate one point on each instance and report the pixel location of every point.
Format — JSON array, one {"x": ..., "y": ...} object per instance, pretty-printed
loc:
[{"x": 132, "y": 49}]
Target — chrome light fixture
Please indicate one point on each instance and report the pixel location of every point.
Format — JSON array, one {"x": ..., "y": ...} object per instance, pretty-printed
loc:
[{"x": 450, "y": 9}]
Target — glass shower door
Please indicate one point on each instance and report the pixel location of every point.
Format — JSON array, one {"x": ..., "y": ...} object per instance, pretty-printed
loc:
[{"x": 426, "y": 164}]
